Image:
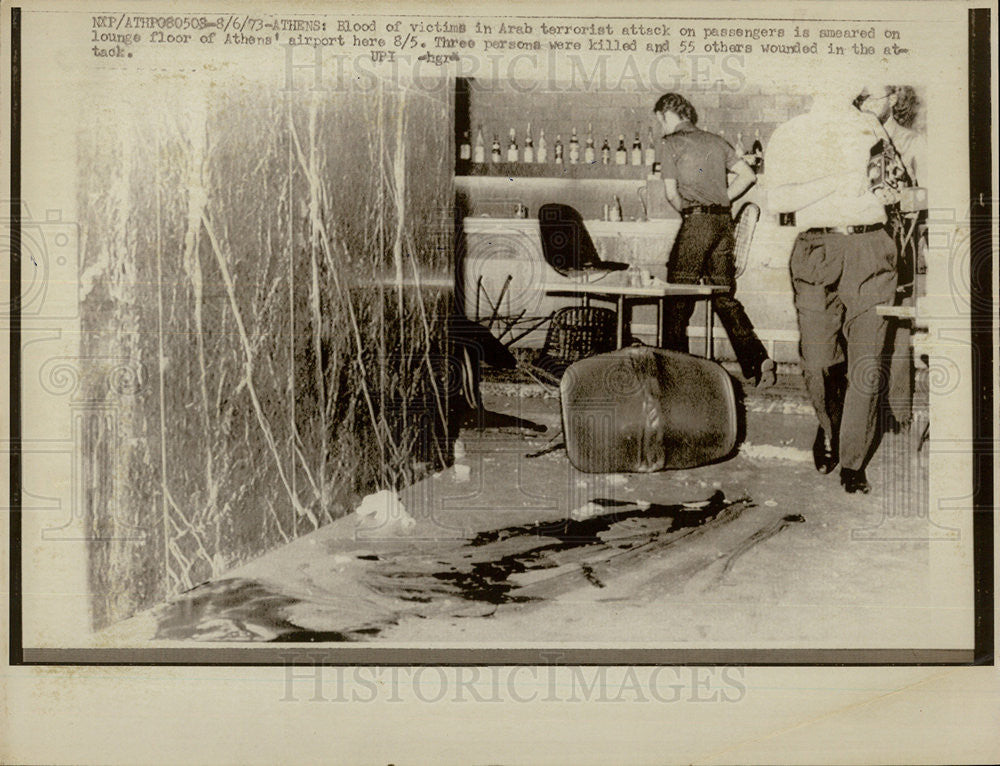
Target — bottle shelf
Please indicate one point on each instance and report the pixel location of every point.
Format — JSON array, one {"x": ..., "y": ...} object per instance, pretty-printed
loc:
[{"x": 527, "y": 170}]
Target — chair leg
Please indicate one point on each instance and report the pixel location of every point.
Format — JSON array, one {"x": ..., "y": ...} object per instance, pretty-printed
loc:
[
  {"x": 551, "y": 445},
  {"x": 546, "y": 381}
]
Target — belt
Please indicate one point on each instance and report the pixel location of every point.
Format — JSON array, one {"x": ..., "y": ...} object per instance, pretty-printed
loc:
[
  {"x": 709, "y": 209},
  {"x": 862, "y": 229}
]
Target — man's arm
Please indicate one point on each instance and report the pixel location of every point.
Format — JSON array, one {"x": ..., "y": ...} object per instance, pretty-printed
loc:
[
  {"x": 787, "y": 198},
  {"x": 743, "y": 179},
  {"x": 673, "y": 197},
  {"x": 783, "y": 192}
]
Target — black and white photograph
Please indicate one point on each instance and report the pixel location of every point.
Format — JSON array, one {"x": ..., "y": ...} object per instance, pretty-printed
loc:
[{"x": 618, "y": 355}]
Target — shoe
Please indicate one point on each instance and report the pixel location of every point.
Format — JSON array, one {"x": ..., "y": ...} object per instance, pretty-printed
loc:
[
  {"x": 767, "y": 376},
  {"x": 854, "y": 481},
  {"x": 824, "y": 452}
]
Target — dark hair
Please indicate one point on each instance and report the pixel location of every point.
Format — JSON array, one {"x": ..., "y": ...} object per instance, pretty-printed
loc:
[
  {"x": 676, "y": 103},
  {"x": 865, "y": 95},
  {"x": 904, "y": 111}
]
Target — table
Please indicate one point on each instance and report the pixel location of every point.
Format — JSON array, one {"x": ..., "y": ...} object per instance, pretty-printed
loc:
[
  {"x": 502, "y": 268},
  {"x": 619, "y": 289}
]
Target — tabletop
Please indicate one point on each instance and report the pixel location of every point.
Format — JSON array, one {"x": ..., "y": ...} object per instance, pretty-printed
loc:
[{"x": 613, "y": 286}]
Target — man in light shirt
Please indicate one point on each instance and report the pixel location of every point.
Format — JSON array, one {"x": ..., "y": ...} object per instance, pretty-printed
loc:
[
  {"x": 897, "y": 108},
  {"x": 843, "y": 265}
]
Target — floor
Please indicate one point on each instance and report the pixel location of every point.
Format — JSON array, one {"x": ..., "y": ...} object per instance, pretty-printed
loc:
[{"x": 505, "y": 549}]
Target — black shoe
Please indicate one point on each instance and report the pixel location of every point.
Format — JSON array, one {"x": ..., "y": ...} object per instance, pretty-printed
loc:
[
  {"x": 824, "y": 452},
  {"x": 854, "y": 481}
]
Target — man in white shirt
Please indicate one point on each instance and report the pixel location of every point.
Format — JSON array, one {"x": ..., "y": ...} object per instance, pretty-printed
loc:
[
  {"x": 843, "y": 265},
  {"x": 897, "y": 108}
]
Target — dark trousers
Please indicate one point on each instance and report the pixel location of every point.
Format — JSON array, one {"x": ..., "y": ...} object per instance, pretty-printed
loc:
[
  {"x": 704, "y": 249},
  {"x": 838, "y": 281}
]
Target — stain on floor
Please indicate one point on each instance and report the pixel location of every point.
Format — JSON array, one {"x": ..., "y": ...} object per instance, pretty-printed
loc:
[
  {"x": 520, "y": 564},
  {"x": 238, "y": 609}
]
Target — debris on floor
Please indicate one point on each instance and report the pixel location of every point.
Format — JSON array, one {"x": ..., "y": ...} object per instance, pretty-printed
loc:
[{"x": 382, "y": 510}]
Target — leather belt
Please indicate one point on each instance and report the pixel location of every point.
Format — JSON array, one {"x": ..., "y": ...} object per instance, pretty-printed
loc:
[
  {"x": 709, "y": 209},
  {"x": 862, "y": 229}
]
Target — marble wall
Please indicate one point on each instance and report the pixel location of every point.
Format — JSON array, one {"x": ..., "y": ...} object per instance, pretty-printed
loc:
[{"x": 256, "y": 260}]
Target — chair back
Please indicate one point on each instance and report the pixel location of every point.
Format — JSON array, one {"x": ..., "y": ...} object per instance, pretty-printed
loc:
[
  {"x": 566, "y": 244},
  {"x": 746, "y": 223},
  {"x": 576, "y": 332}
]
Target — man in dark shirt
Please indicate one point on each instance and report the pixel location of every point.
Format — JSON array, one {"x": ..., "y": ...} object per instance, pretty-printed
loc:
[{"x": 695, "y": 166}]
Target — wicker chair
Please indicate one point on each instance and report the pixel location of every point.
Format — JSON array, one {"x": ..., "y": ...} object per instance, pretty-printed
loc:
[
  {"x": 746, "y": 224},
  {"x": 575, "y": 332}
]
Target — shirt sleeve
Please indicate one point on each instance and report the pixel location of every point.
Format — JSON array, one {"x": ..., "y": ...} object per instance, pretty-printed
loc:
[
  {"x": 668, "y": 161},
  {"x": 731, "y": 156}
]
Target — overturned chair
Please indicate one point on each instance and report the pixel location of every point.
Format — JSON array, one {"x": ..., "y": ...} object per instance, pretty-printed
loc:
[{"x": 642, "y": 409}]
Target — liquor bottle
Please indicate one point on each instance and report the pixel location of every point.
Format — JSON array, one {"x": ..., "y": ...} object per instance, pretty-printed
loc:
[
  {"x": 637, "y": 150},
  {"x": 543, "y": 148},
  {"x": 650, "y": 147},
  {"x": 465, "y": 149},
  {"x": 557, "y": 151},
  {"x": 616, "y": 209},
  {"x": 495, "y": 153},
  {"x": 605, "y": 152},
  {"x": 479, "y": 154},
  {"x": 574, "y": 148},
  {"x": 758, "y": 153},
  {"x": 621, "y": 153},
  {"x": 588, "y": 152},
  {"x": 529, "y": 147},
  {"x": 512, "y": 147}
]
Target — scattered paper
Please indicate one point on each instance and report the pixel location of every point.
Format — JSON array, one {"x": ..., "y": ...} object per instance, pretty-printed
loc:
[{"x": 382, "y": 509}]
